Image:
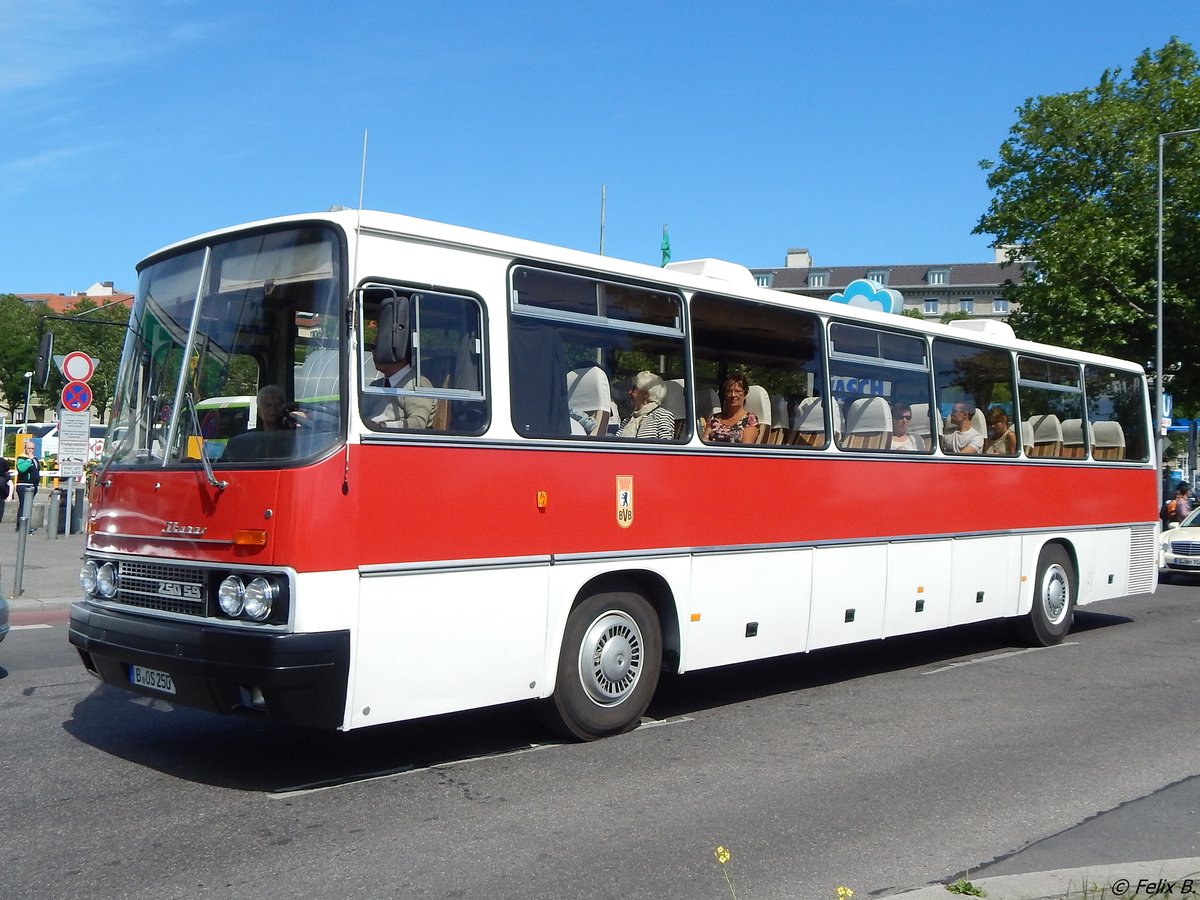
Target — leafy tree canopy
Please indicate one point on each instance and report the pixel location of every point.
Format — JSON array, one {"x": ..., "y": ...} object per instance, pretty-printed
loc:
[
  {"x": 18, "y": 348},
  {"x": 1075, "y": 193}
]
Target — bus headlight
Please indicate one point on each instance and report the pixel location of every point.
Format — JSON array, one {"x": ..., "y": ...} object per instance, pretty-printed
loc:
[
  {"x": 259, "y": 598},
  {"x": 87, "y": 578},
  {"x": 106, "y": 581},
  {"x": 231, "y": 596}
]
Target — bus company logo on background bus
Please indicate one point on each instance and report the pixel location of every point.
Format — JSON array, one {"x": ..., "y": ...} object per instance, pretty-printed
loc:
[
  {"x": 624, "y": 500},
  {"x": 176, "y": 528},
  {"x": 875, "y": 387}
]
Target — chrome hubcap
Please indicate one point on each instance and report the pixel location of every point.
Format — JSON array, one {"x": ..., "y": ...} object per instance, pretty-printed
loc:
[
  {"x": 610, "y": 658},
  {"x": 1056, "y": 593}
]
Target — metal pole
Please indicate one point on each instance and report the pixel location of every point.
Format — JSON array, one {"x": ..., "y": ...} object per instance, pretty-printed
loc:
[
  {"x": 28, "y": 385},
  {"x": 1158, "y": 348}
]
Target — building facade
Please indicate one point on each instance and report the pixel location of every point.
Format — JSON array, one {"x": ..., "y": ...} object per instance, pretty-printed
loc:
[{"x": 933, "y": 289}]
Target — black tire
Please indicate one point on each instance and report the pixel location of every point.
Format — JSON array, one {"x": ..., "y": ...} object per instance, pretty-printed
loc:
[
  {"x": 608, "y": 666},
  {"x": 1053, "y": 608}
]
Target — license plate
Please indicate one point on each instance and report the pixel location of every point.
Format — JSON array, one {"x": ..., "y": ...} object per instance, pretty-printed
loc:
[
  {"x": 151, "y": 678},
  {"x": 1184, "y": 561}
]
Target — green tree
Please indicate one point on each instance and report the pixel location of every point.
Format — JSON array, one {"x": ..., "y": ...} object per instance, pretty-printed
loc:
[
  {"x": 949, "y": 317},
  {"x": 18, "y": 347},
  {"x": 913, "y": 313},
  {"x": 1075, "y": 194},
  {"x": 97, "y": 329}
]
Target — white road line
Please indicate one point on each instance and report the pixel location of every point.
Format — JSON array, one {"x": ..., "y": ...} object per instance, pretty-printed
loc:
[
  {"x": 29, "y": 627},
  {"x": 318, "y": 787},
  {"x": 983, "y": 659}
]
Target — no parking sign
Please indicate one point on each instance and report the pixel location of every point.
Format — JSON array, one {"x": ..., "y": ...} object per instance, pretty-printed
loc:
[{"x": 76, "y": 396}]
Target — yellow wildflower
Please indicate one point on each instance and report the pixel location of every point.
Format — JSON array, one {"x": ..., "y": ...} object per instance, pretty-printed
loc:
[
  {"x": 844, "y": 893},
  {"x": 722, "y": 855}
]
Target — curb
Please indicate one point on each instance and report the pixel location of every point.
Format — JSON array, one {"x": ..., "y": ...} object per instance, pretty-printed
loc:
[{"x": 1113, "y": 881}]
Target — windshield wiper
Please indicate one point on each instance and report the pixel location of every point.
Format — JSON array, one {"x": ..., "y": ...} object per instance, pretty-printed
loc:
[{"x": 208, "y": 469}]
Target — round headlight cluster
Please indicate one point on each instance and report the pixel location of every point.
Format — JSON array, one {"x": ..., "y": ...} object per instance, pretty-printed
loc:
[
  {"x": 252, "y": 601},
  {"x": 99, "y": 580}
]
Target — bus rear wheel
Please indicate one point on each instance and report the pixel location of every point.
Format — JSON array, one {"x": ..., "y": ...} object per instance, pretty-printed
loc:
[
  {"x": 608, "y": 666},
  {"x": 1053, "y": 608}
]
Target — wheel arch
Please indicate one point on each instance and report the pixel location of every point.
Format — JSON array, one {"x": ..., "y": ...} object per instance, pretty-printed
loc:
[{"x": 646, "y": 583}]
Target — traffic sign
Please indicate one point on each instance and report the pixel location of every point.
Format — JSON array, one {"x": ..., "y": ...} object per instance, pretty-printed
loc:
[
  {"x": 76, "y": 396},
  {"x": 78, "y": 366}
]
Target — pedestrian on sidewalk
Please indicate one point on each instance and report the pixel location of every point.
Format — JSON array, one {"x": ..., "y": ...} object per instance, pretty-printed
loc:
[
  {"x": 28, "y": 476},
  {"x": 8, "y": 490}
]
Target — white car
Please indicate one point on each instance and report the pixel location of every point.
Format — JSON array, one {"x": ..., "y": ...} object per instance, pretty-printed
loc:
[{"x": 1179, "y": 548}]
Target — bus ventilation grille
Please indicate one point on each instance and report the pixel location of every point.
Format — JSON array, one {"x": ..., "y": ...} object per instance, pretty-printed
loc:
[
  {"x": 1143, "y": 559},
  {"x": 161, "y": 586}
]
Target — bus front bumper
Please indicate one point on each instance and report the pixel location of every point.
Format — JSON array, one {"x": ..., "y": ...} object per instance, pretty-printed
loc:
[{"x": 298, "y": 679}]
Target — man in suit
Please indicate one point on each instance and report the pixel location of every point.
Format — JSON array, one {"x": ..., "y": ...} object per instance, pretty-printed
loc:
[{"x": 400, "y": 411}]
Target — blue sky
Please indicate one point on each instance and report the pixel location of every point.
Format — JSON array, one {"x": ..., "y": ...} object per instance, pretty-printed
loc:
[{"x": 852, "y": 128}]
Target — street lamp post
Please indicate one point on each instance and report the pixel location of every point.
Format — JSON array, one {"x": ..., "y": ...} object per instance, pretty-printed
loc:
[
  {"x": 28, "y": 385},
  {"x": 1158, "y": 340}
]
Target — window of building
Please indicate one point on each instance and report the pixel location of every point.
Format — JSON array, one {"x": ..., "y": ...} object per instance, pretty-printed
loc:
[
  {"x": 967, "y": 306},
  {"x": 931, "y": 307},
  {"x": 879, "y": 276},
  {"x": 1000, "y": 306},
  {"x": 764, "y": 279},
  {"x": 818, "y": 279},
  {"x": 937, "y": 276}
]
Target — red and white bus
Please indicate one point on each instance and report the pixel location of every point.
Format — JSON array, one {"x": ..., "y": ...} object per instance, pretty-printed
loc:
[{"x": 475, "y": 532}]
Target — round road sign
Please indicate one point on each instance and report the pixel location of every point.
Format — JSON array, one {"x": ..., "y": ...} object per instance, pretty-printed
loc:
[
  {"x": 78, "y": 366},
  {"x": 76, "y": 396}
]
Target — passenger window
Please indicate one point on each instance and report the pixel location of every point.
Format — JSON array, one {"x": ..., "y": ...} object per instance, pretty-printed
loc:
[
  {"x": 1116, "y": 407},
  {"x": 880, "y": 383},
  {"x": 591, "y": 358},
  {"x": 974, "y": 390},
  {"x": 422, "y": 361},
  {"x": 752, "y": 359},
  {"x": 1051, "y": 401}
]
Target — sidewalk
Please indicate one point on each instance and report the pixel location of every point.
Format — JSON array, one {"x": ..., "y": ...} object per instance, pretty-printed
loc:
[{"x": 51, "y": 573}]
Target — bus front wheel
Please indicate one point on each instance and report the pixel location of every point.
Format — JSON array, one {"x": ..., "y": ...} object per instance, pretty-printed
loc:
[
  {"x": 1053, "y": 608},
  {"x": 608, "y": 666}
]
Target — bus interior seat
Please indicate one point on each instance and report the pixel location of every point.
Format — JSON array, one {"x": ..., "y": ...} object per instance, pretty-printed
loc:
[
  {"x": 1046, "y": 431},
  {"x": 808, "y": 425},
  {"x": 1073, "y": 443},
  {"x": 868, "y": 424},
  {"x": 1109, "y": 440},
  {"x": 588, "y": 391},
  {"x": 675, "y": 402},
  {"x": 920, "y": 424},
  {"x": 758, "y": 401},
  {"x": 979, "y": 422}
]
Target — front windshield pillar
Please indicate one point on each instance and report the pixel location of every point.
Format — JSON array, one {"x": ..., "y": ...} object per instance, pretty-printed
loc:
[{"x": 189, "y": 347}]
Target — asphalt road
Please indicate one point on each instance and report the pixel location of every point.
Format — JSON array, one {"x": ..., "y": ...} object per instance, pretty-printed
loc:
[{"x": 881, "y": 767}]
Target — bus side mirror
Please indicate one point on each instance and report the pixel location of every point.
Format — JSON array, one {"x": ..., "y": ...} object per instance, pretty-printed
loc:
[
  {"x": 41, "y": 368},
  {"x": 393, "y": 338}
]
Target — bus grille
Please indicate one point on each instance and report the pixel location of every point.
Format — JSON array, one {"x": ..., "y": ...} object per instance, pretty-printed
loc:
[
  {"x": 1143, "y": 562},
  {"x": 165, "y": 587}
]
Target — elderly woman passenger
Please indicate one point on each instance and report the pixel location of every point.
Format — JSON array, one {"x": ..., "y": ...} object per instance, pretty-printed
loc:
[{"x": 649, "y": 419}]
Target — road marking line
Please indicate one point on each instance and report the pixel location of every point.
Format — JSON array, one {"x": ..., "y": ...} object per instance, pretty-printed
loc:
[
  {"x": 29, "y": 627},
  {"x": 319, "y": 786},
  {"x": 983, "y": 659}
]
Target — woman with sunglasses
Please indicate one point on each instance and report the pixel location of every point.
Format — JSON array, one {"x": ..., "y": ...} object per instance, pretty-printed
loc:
[{"x": 901, "y": 439}]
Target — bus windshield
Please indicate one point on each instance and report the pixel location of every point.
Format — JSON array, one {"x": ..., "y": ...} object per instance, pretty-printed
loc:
[{"x": 248, "y": 321}]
